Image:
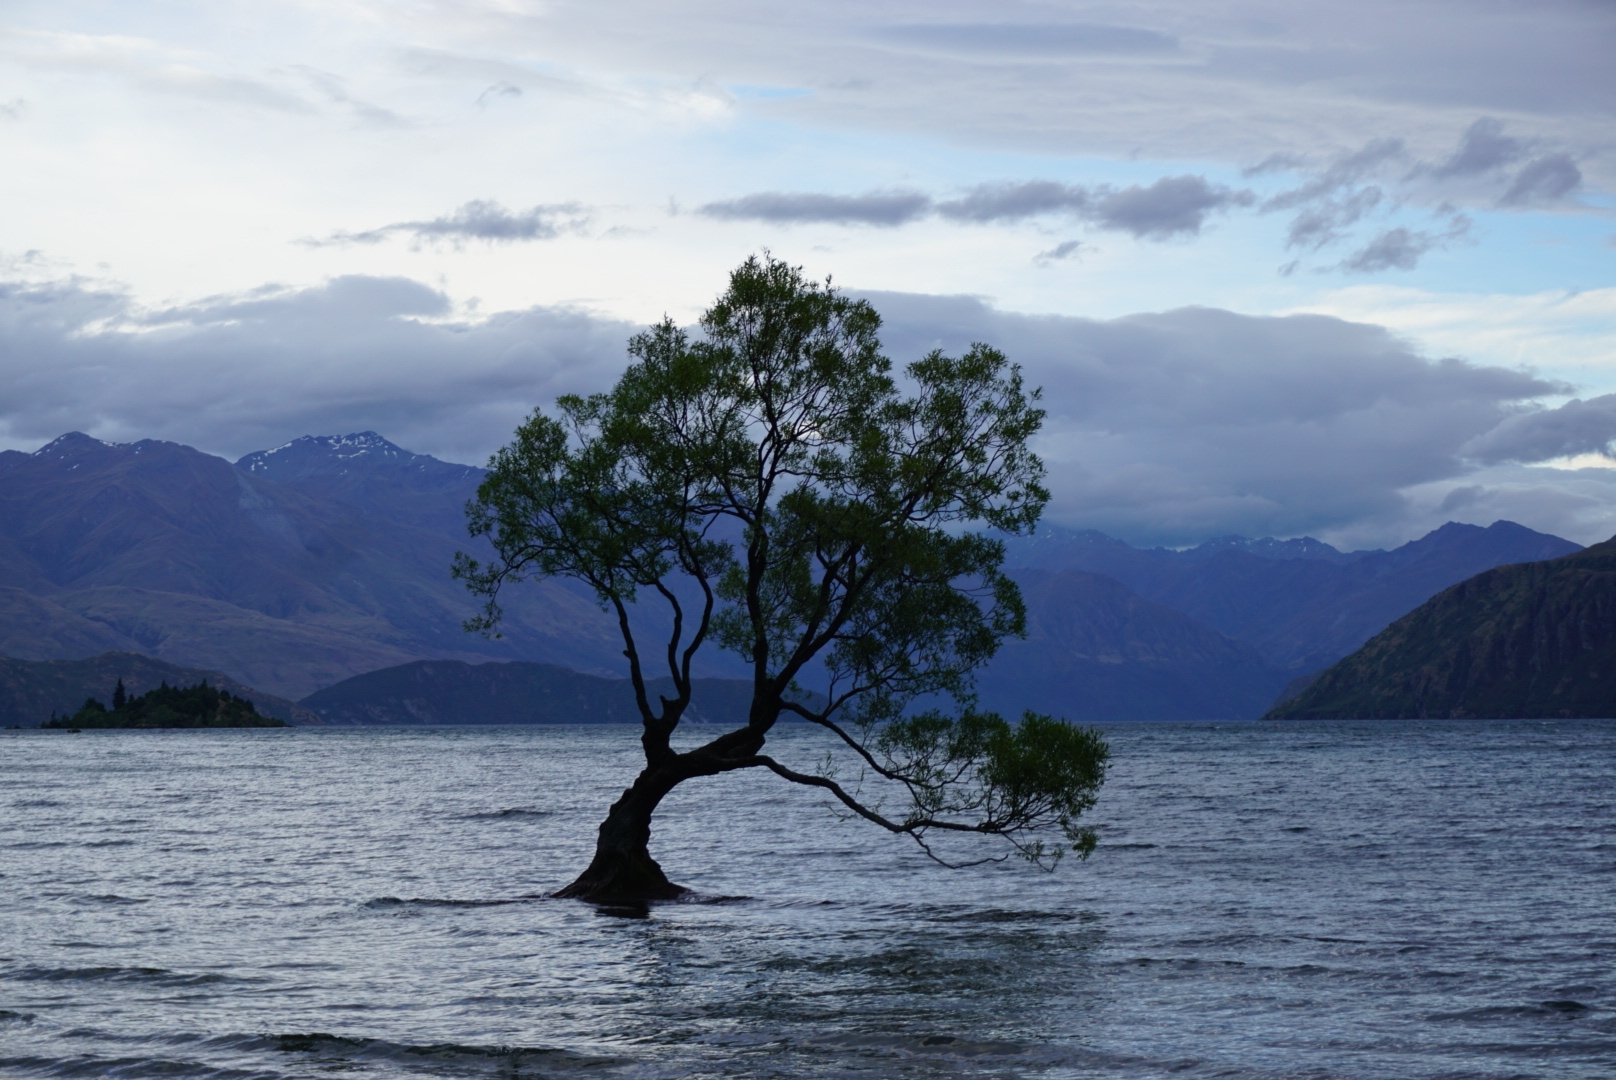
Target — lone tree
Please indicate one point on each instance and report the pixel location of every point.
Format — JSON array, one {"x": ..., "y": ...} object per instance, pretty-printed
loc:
[{"x": 768, "y": 487}]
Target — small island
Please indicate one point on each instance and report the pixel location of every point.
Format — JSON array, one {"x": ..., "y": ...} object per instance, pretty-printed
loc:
[{"x": 199, "y": 706}]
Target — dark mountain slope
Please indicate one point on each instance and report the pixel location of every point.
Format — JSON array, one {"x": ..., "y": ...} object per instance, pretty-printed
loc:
[
  {"x": 1301, "y": 603},
  {"x": 284, "y": 655},
  {"x": 1531, "y": 640},
  {"x": 38, "y": 628},
  {"x": 83, "y": 513},
  {"x": 1096, "y": 651},
  {"x": 31, "y": 690},
  {"x": 346, "y": 562},
  {"x": 442, "y": 692}
]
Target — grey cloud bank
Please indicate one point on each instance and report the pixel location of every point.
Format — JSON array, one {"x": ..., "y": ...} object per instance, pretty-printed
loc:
[
  {"x": 1380, "y": 178},
  {"x": 1168, "y": 427},
  {"x": 1027, "y": 40},
  {"x": 1233, "y": 81},
  {"x": 1546, "y": 180},
  {"x": 1178, "y": 426},
  {"x": 239, "y": 373},
  {"x": 1577, "y": 427},
  {"x": 480, "y": 219},
  {"x": 886, "y": 208},
  {"x": 1170, "y": 207},
  {"x": 1383, "y": 174}
]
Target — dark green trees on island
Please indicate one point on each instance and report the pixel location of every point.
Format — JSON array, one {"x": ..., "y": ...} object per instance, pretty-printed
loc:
[
  {"x": 199, "y": 706},
  {"x": 769, "y": 487}
]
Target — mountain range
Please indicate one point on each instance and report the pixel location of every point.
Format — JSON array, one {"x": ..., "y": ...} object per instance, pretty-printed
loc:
[
  {"x": 292, "y": 569},
  {"x": 1300, "y": 603},
  {"x": 296, "y": 568},
  {"x": 1531, "y": 640}
]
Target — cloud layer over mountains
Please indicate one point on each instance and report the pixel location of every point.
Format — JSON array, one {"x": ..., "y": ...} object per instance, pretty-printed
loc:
[{"x": 1166, "y": 427}]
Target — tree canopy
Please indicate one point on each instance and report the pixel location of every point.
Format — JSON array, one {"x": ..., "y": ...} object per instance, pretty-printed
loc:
[{"x": 770, "y": 488}]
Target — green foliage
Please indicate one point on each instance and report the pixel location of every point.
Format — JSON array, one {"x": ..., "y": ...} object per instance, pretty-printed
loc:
[
  {"x": 1015, "y": 781},
  {"x": 776, "y": 490},
  {"x": 168, "y": 707}
]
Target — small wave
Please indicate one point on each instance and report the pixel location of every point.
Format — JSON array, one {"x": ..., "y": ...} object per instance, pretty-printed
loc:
[
  {"x": 704, "y": 898},
  {"x": 1560, "y": 1008},
  {"x": 335, "y": 1050},
  {"x": 926, "y": 1045},
  {"x": 161, "y": 976},
  {"x": 35, "y": 804},
  {"x": 9, "y": 1017},
  {"x": 517, "y": 813},
  {"x": 114, "y": 898},
  {"x": 1565, "y": 1006},
  {"x": 87, "y": 1065},
  {"x": 384, "y": 903},
  {"x": 994, "y": 916}
]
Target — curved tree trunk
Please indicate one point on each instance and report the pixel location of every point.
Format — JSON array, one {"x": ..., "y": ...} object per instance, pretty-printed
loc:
[{"x": 622, "y": 870}]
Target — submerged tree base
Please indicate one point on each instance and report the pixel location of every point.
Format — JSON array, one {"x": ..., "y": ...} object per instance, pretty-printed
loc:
[{"x": 622, "y": 880}]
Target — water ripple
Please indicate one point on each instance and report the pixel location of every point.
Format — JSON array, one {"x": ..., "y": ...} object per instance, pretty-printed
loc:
[{"x": 1332, "y": 901}]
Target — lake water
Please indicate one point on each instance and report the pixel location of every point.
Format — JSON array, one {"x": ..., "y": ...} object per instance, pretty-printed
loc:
[{"x": 1374, "y": 900}]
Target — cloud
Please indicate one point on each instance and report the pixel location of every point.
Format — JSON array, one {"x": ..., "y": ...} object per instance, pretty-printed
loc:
[
  {"x": 1325, "y": 222},
  {"x": 1382, "y": 176},
  {"x": 1548, "y": 179},
  {"x": 1029, "y": 40},
  {"x": 1067, "y": 249},
  {"x": 1172, "y": 206},
  {"x": 1177, "y": 426},
  {"x": 1394, "y": 249},
  {"x": 883, "y": 208},
  {"x": 1402, "y": 248},
  {"x": 1577, "y": 427},
  {"x": 1015, "y": 202},
  {"x": 237, "y": 373},
  {"x": 145, "y": 63},
  {"x": 1482, "y": 148},
  {"x": 1336, "y": 197},
  {"x": 496, "y": 91},
  {"x": 1166, "y": 427},
  {"x": 480, "y": 219},
  {"x": 1343, "y": 171}
]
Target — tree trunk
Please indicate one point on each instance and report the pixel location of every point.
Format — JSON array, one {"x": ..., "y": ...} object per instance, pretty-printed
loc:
[{"x": 622, "y": 870}]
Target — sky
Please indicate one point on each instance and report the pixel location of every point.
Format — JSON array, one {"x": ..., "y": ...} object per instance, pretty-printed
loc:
[{"x": 1337, "y": 269}]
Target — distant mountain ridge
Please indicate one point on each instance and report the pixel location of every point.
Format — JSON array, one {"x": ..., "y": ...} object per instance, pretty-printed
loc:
[
  {"x": 327, "y": 557},
  {"x": 1097, "y": 651},
  {"x": 365, "y": 470},
  {"x": 1516, "y": 642},
  {"x": 1301, "y": 603},
  {"x": 338, "y": 568}
]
